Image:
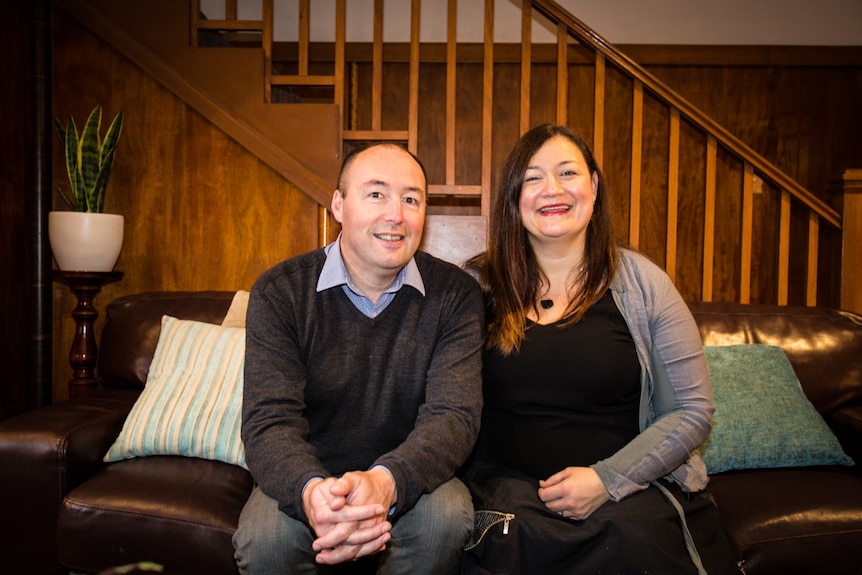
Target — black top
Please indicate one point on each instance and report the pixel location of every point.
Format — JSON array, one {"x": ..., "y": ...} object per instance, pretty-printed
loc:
[{"x": 569, "y": 397}]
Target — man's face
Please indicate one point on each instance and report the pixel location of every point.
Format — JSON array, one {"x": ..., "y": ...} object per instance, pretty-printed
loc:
[{"x": 382, "y": 213}]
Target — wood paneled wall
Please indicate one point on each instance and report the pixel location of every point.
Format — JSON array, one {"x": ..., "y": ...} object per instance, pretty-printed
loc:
[{"x": 201, "y": 213}]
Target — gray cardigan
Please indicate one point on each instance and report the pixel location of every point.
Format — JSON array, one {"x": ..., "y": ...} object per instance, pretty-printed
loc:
[
  {"x": 329, "y": 390},
  {"x": 676, "y": 399}
]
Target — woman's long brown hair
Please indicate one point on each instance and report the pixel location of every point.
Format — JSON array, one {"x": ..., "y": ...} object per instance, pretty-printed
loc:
[{"x": 509, "y": 272}]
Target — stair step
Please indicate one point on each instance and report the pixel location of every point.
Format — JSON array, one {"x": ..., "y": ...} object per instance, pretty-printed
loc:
[
  {"x": 235, "y": 25},
  {"x": 376, "y": 135},
  {"x": 295, "y": 80},
  {"x": 454, "y": 190}
]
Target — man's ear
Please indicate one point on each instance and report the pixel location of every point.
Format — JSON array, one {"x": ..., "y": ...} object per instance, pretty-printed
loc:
[{"x": 336, "y": 206}]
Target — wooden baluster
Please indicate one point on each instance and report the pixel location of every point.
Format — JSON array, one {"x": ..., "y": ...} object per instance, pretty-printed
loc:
[
  {"x": 672, "y": 194},
  {"x": 599, "y": 112},
  {"x": 637, "y": 154},
  {"x": 339, "y": 72},
  {"x": 487, "y": 107},
  {"x": 747, "y": 232},
  {"x": 709, "y": 219},
  {"x": 413, "y": 110},
  {"x": 562, "y": 74},
  {"x": 304, "y": 11},
  {"x": 811, "y": 270},
  {"x": 526, "y": 63},
  {"x": 267, "y": 42},
  {"x": 451, "y": 69},
  {"x": 783, "y": 248},
  {"x": 377, "y": 69}
]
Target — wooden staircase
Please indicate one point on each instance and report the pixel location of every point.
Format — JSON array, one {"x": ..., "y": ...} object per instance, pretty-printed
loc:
[{"x": 464, "y": 144}]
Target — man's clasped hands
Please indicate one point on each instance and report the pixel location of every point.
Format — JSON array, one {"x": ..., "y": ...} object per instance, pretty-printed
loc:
[{"x": 349, "y": 514}]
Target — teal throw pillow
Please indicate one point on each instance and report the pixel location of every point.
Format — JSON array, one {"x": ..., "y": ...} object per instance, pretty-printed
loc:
[{"x": 762, "y": 417}]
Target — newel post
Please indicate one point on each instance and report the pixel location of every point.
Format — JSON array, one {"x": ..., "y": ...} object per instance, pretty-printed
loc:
[{"x": 849, "y": 183}]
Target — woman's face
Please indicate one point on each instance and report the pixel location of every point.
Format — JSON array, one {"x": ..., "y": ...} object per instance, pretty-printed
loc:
[{"x": 558, "y": 193}]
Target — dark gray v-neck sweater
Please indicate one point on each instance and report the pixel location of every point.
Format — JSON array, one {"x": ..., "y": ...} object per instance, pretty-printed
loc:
[{"x": 329, "y": 390}]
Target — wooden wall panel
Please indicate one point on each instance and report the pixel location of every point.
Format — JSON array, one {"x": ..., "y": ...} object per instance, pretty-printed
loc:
[
  {"x": 805, "y": 119},
  {"x": 767, "y": 200},
  {"x": 431, "y": 142},
  {"x": 617, "y": 156},
  {"x": 201, "y": 212},
  {"x": 507, "y": 78},
  {"x": 582, "y": 99},
  {"x": 543, "y": 91},
  {"x": 468, "y": 125},
  {"x": 655, "y": 152},
  {"x": 728, "y": 230},
  {"x": 691, "y": 207}
]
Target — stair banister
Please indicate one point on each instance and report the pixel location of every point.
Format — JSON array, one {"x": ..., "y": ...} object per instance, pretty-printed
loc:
[
  {"x": 749, "y": 166},
  {"x": 556, "y": 13}
]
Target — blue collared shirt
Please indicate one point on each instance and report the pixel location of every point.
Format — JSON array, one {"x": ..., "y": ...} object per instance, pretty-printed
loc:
[{"x": 334, "y": 274}]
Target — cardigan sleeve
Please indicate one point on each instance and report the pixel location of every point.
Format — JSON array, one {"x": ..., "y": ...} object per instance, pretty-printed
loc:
[{"x": 677, "y": 408}]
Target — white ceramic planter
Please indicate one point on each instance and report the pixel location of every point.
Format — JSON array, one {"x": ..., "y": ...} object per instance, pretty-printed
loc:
[{"x": 85, "y": 242}]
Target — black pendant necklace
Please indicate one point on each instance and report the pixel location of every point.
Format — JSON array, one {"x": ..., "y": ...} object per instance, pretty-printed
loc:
[{"x": 547, "y": 303}]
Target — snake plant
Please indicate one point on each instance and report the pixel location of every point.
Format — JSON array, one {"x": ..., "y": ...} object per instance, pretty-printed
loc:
[{"x": 88, "y": 160}]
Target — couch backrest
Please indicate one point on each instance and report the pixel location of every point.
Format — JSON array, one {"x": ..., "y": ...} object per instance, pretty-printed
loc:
[
  {"x": 824, "y": 345},
  {"x": 133, "y": 324}
]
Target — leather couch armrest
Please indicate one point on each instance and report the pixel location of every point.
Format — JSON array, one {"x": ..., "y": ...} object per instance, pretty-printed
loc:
[
  {"x": 44, "y": 454},
  {"x": 847, "y": 425}
]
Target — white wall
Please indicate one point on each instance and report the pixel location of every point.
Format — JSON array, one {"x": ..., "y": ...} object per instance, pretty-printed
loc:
[{"x": 704, "y": 22}]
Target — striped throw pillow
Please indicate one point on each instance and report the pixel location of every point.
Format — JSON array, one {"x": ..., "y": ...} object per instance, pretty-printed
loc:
[{"x": 192, "y": 403}]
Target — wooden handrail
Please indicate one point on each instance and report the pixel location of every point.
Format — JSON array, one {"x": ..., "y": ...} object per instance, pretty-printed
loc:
[{"x": 558, "y": 14}]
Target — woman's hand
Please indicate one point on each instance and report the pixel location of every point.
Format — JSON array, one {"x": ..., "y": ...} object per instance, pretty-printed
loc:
[{"x": 574, "y": 492}]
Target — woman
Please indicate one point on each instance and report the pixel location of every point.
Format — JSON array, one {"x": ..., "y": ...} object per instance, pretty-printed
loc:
[{"x": 595, "y": 384}]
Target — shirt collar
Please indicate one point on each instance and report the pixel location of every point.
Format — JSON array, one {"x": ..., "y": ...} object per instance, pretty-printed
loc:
[{"x": 334, "y": 272}]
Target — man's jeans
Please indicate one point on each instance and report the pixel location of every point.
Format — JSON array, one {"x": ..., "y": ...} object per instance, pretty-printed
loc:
[{"x": 427, "y": 539}]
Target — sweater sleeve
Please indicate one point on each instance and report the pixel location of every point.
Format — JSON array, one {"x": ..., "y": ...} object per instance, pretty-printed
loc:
[
  {"x": 274, "y": 428},
  {"x": 448, "y": 422},
  {"x": 677, "y": 399}
]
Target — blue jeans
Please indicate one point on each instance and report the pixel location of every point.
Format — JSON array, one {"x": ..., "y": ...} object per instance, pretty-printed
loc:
[{"x": 427, "y": 539}]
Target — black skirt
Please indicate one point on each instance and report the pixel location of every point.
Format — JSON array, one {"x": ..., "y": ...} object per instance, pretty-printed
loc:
[{"x": 516, "y": 534}]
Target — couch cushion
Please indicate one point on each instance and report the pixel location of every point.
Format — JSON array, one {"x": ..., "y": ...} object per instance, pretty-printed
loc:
[
  {"x": 794, "y": 520},
  {"x": 132, "y": 326},
  {"x": 762, "y": 417},
  {"x": 142, "y": 510},
  {"x": 192, "y": 403},
  {"x": 235, "y": 316}
]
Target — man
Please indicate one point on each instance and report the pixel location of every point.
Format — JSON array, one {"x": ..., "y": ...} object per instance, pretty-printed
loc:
[{"x": 362, "y": 389}]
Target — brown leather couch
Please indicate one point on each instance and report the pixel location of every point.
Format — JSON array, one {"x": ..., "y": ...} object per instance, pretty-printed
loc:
[{"x": 61, "y": 506}]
